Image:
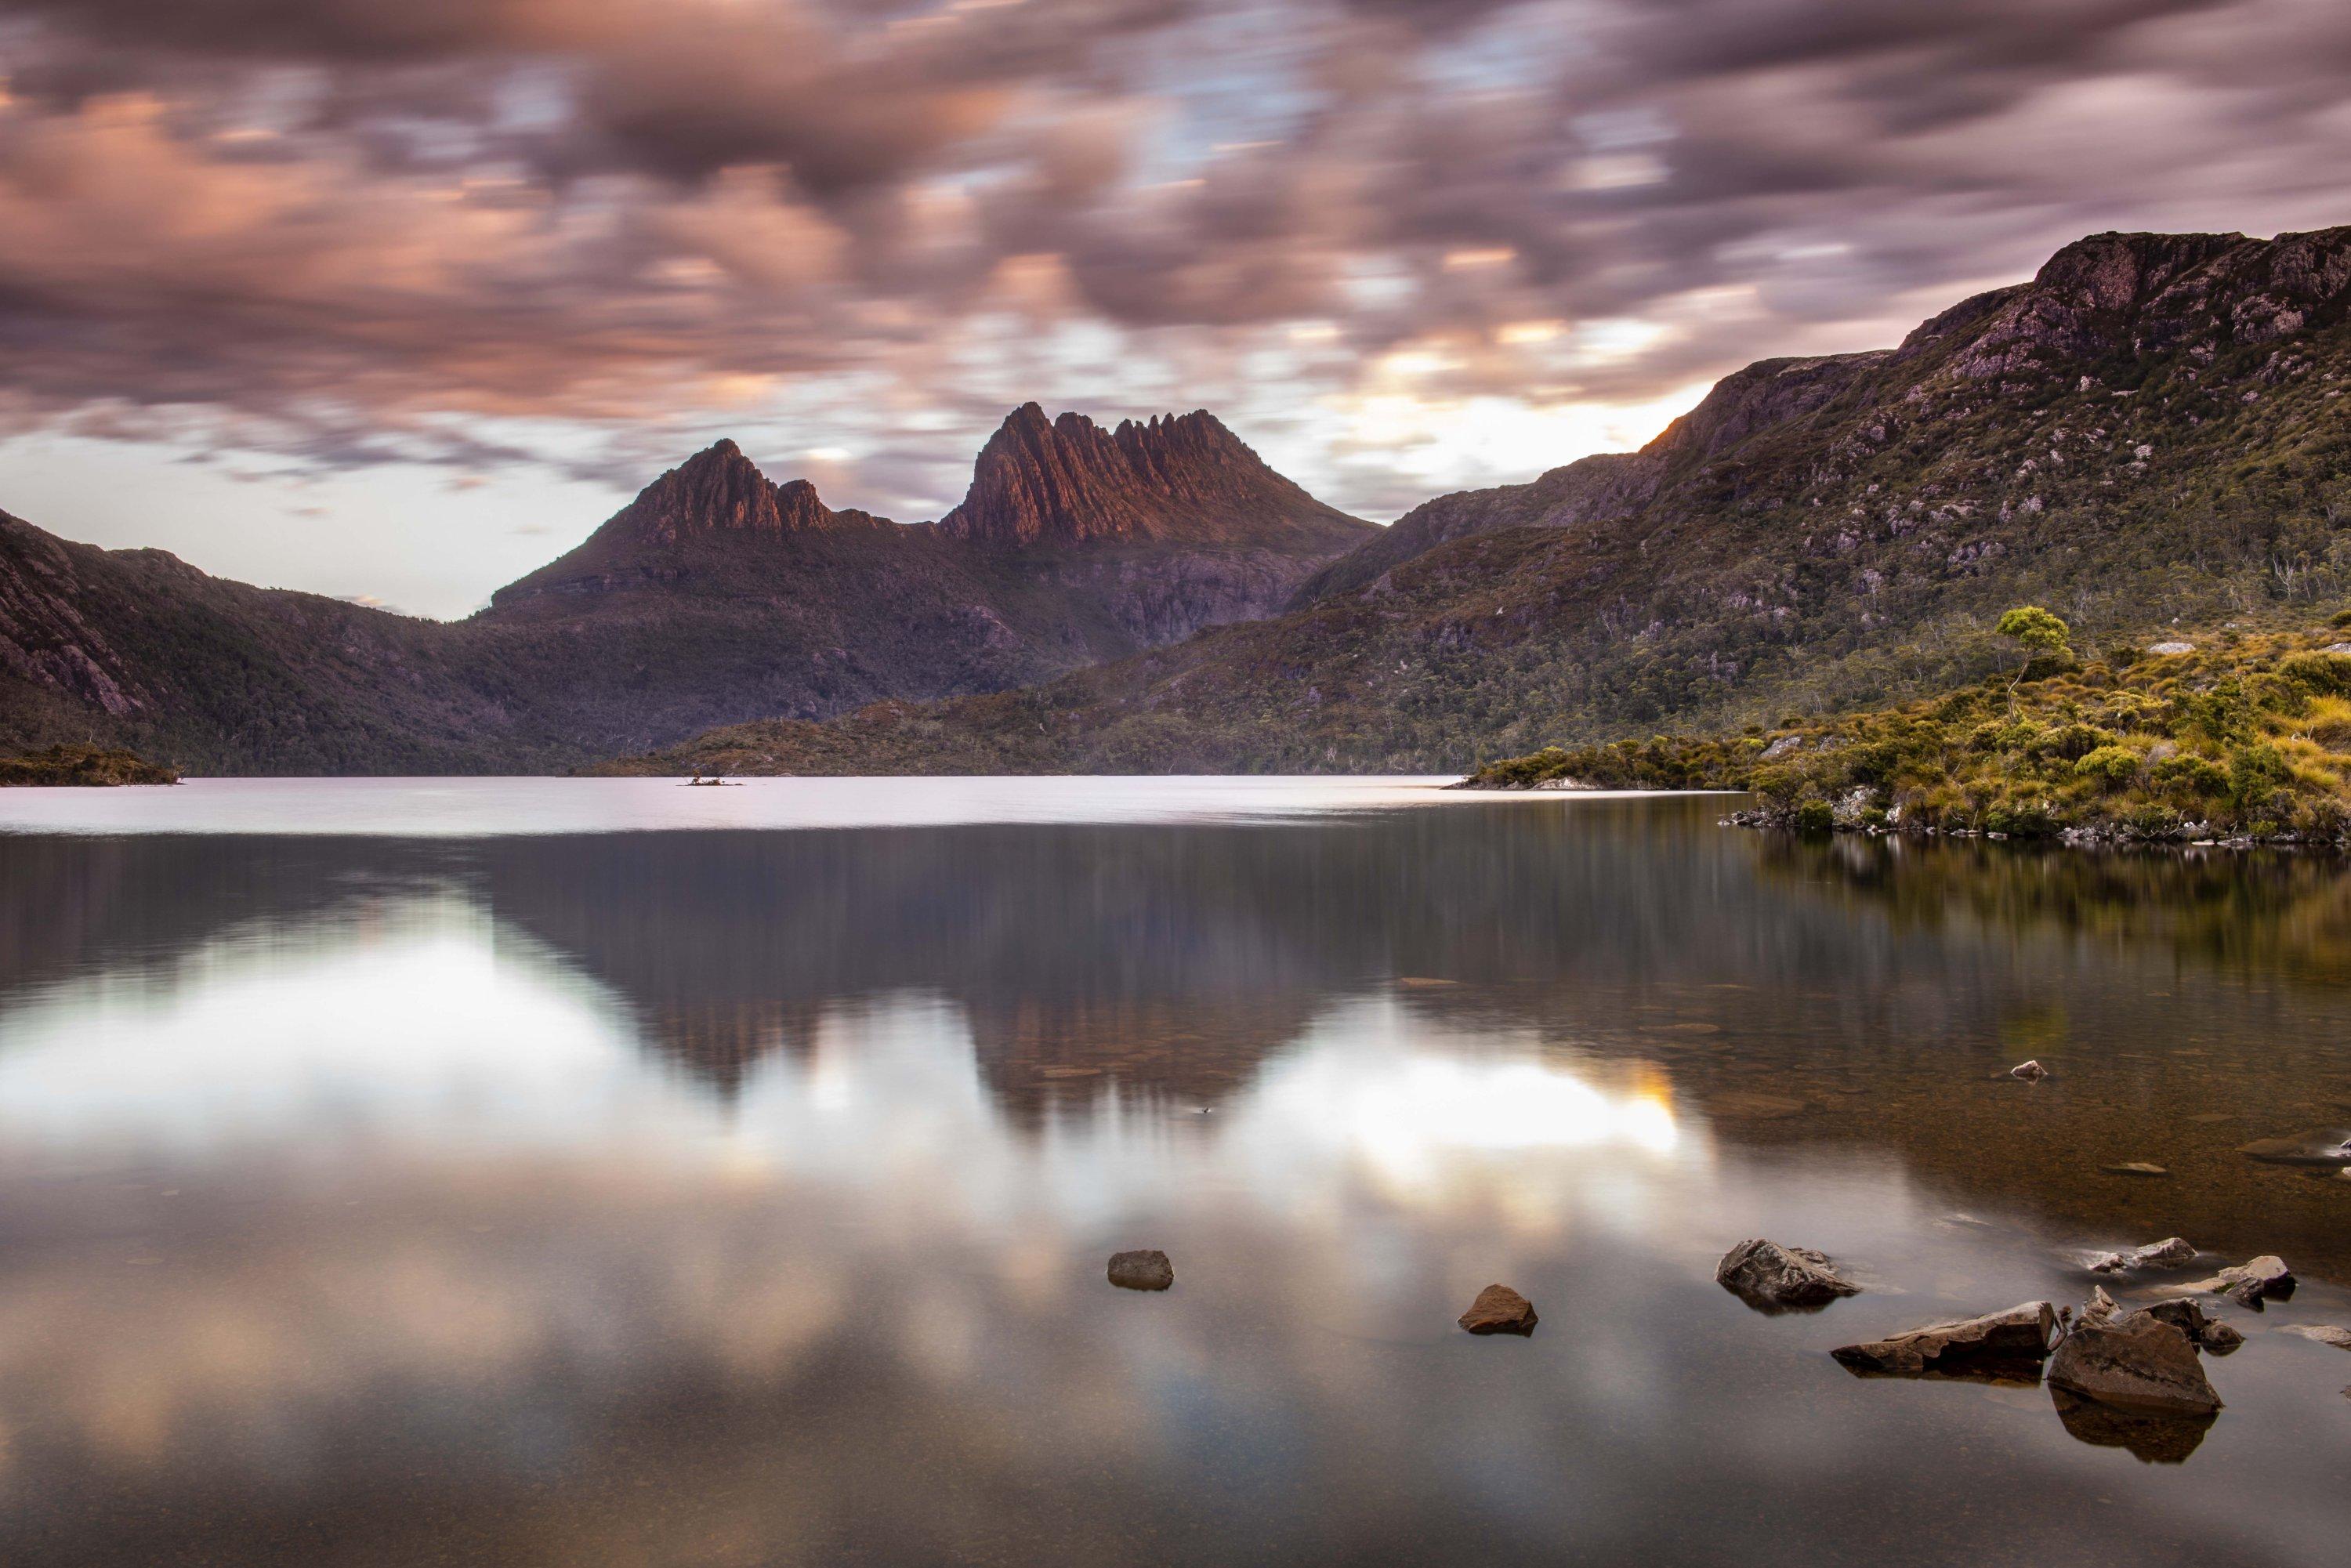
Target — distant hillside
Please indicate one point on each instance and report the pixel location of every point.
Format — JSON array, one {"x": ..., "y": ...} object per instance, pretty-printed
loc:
[
  {"x": 714, "y": 596},
  {"x": 2151, "y": 428}
]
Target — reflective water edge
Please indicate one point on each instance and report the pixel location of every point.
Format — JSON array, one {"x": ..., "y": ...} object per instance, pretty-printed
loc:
[{"x": 718, "y": 1195}]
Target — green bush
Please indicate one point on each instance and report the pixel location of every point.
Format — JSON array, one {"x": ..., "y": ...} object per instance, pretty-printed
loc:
[
  {"x": 1815, "y": 817},
  {"x": 2111, "y": 767},
  {"x": 2189, "y": 774}
]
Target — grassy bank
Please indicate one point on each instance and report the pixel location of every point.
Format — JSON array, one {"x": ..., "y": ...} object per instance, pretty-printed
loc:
[
  {"x": 82, "y": 766},
  {"x": 2237, "y": 731}
]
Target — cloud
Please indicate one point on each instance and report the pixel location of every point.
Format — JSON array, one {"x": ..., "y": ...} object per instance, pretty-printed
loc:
[{"x": 350, "y": 233}]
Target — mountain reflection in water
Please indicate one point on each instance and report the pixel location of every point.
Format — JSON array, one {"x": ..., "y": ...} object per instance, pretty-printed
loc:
[{"x": 743, "y": 1196}]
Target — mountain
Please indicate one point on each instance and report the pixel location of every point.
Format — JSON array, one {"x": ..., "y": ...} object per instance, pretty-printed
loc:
[
  {"x": 716, "y": 596},
  {"x": 2151, "y": 429}
]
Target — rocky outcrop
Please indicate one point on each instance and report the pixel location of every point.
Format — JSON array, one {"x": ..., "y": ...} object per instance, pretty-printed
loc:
[
  {"x": 1499, "y": 1310},
  {"x": 1770, "y": 1277},
  {"x": 1143, "y": 1271},
  {"x": 2016, "y": 1340},
  {"x": 2116, "y": 294},
  {"x": 2137, "y": 1362}
]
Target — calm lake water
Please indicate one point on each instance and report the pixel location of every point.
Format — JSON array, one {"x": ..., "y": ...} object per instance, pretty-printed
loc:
[{"x": 569, "y": 1172}]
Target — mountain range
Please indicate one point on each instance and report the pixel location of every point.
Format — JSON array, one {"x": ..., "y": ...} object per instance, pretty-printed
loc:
[
  {"x": 716, "y": 596},
  {"x": 2149, "y": 429}
]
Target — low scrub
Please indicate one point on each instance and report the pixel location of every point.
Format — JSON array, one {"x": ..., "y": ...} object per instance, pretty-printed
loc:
[{"x": 2244, "y": 734}]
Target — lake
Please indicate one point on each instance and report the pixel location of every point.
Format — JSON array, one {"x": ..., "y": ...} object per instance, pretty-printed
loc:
[{"x": 562, "y": 1172}]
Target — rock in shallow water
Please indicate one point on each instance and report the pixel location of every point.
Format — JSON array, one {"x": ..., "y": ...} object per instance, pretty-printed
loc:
[
  {"x": 1499, "y": 1310},
  {"x": 2030, "y": 1072},
  {"x": 2264, "y": 1279},
  {"x": 1767, "y": 1276},
  {"x": 2310, "y": 1146},
  {"x": 2208, "y": 1333},
  {"x": 1141, "y": 1271},
  {"x": 2324, "y": 1333},
  {"x": 2022, "y": 1334},
  {"x": 2139, "y": 1362},
  {"x": 2168, "y": 1253}
]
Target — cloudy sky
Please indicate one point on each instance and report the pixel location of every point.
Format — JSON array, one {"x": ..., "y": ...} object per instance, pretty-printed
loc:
[{"x": 399, "y": 299}]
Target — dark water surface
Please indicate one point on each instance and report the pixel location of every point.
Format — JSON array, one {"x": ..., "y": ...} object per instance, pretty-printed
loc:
[{"x": 741, "y": 1197}]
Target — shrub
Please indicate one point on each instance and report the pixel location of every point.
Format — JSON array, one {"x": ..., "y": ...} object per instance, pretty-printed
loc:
[
  {"x": 1815, "y": 817},
  {"x": 2189, "y": 774},
  {"x": 2256, "y": 773},
  {"x": 2111, "y": 767}
]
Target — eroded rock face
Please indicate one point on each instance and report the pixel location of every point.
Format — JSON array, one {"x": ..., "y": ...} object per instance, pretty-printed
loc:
[
  {"x": 1770, "y": 1277},
  {"x": 2020, "y": 1336},
  {"x": 1148, "y": 1270},
  {"x": 1041, "y": 482},
  {"x": 1499, "y": 1310},
  {"x": 2138, "y": 1361}
]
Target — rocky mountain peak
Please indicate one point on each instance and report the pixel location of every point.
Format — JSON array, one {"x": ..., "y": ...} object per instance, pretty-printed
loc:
[
  {"x": 1181, "y": 477},
  {"x": 716, "y": 490},
  {"x": 2134, "y": 293}
]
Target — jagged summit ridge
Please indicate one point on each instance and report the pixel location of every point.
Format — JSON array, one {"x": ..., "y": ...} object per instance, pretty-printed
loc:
[
  {"x": 718, "y": 490},
  {"x": 1065, "y": 481}
]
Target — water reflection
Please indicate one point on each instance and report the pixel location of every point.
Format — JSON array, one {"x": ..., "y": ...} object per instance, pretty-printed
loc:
[{"x": 743, "y": 1196}]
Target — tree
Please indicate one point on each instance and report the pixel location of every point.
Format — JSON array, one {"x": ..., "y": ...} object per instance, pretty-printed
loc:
[{"x": 2038, "y": 630}]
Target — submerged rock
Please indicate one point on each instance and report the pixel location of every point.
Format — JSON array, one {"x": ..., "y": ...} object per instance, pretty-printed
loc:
[
  {"x": 1141, "y": 1271},
  {"x": 2137, "y": 1362},
  {"x": 2020, "y": 1337},
  {"x": 1769, "y": 1276},
  {"x": 2135, "y": 1168},
  {"x": 1499, "y": 1310},
  {"x": 2170, "y": 1252},
  {"x": 2324, "y": 1333},
  {"x": 2310, "y": 1146},
  {"x": 2030, "y": 1072}
]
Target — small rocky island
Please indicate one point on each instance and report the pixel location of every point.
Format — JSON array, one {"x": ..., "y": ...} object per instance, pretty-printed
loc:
[{"x": 83, "y": 767}]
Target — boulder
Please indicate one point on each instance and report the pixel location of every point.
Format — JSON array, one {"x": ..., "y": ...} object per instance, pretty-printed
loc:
[
  {"x": 2138, "y": 1363},
  {"x": 2100, "y": 1306},
  {"x": 2324, "y": 1333},
  {"x": 2207, "y": 1334},
  {"x": 2170, "y": 1252},
  {"x": 2030, "y": 1072},
  {"x": 1767, "y": 1276},
  {"x": 1141, "y": 1271},
  {"x": 2265, "y": 1278},
  {"x": 1499, "y": 1310},
  {"x": 2017, "y": 1337}
]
